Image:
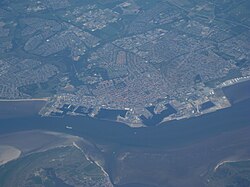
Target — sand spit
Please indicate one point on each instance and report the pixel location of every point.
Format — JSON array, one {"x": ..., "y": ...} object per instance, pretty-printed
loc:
[{"x": 8, "y": 153}]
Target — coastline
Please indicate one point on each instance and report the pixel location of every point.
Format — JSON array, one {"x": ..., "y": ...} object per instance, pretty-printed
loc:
[
  {"x": 102, "y": 130},
  {"x": 24, "y": 100}
]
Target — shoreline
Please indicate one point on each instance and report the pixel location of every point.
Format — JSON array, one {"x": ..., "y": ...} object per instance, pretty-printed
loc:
[
  {"x": 210, "y": 124},
  {"x": 8, "y": 153},
  {"x": 24, "y": 100},
  {"x": 228, "y": 161}
]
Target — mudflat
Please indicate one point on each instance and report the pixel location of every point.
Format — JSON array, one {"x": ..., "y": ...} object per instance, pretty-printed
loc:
[{"x": 8, "y": 153}]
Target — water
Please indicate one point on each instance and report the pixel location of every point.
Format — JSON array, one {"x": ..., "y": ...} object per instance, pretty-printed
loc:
[
  {"x": 207, "y": 105},
  {"x": 238, "y": 92},
  {"x": 110, "y": 114},
  {"x": 170, "y": 134},
  {"x": 158, "y": 118}
]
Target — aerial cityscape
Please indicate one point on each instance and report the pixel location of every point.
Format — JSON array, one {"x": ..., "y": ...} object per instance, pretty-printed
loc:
[
  {"x": 140, "y": 63},
  {"x": 125, "y": 56}
]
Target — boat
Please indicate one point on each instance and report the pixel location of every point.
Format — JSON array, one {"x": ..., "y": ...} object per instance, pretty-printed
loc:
[{"x": 68, "y": 127}]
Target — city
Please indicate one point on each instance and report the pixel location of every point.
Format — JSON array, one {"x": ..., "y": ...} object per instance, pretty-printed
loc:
[{"x": 170, "y": 63}]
